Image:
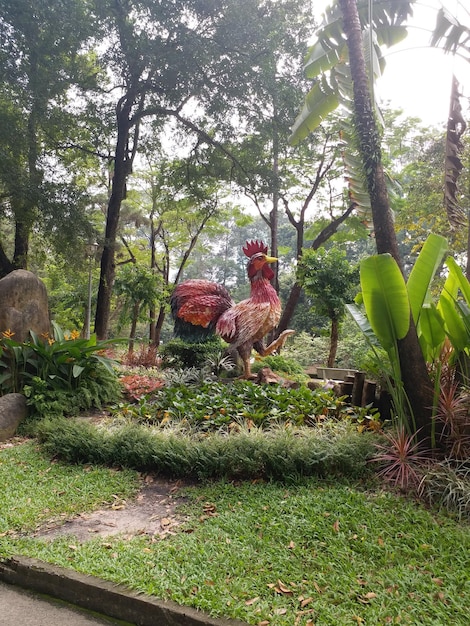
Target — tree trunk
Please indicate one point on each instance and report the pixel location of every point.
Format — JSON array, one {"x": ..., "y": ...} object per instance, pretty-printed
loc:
[
  {"x": 122, "y": 168},
  {"x": 135, "y": 317},
  {"x": 333, "y": 342},
  {"x": 415, "y": 377},
  {"x": 296, "y": 289},
  {"x": 158, "y": 327}
]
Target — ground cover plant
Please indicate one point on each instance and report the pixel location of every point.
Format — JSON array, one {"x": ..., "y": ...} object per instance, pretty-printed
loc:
[
  {"x": 36, "y": 488},
  {"x": 213, "y": 405},
  {"x": 316, "y": 551}
]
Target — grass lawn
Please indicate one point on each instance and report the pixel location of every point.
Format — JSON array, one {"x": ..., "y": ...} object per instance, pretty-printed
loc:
[{"x": 317, "y": 552}]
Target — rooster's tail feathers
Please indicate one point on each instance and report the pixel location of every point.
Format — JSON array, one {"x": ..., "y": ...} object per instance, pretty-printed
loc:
[{"x": 196, "y": 305}]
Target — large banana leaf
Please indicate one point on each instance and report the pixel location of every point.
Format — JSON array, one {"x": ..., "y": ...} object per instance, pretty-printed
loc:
[
  {"x": 363, "y": 323},
  {"x": 423, "y": 272},
  {"x": 385, "y": 298},
  {"x": 329, "y": 53},
  {"x": 431, "y": 332},
  {"x": 459, "y": 277},
  {"x": 451, "y": 34},
  {"x": 454, "y": 324}
]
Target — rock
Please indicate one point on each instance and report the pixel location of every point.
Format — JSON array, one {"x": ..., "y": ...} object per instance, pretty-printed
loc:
[
  {"x": 267, "y": 377},
  {"x": 13, "y": 410},
  {"x": 23, "y": 305}
]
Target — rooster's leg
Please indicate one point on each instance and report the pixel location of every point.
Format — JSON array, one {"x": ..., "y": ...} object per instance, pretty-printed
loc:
[
  {"x": 245, "y": 353},
  {"x": 275, "y": 345}
]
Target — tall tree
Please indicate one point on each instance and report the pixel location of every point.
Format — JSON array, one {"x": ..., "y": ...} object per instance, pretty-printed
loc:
[
  {"x": 415, "y": 376},
  {"x": 348, "y": 35},
  {"x": 42, "y": 59},
  {"x": 191, "y": 61}
]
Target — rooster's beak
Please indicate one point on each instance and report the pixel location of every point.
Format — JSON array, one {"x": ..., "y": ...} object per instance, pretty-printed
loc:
[{"x": 270, "y": 259}]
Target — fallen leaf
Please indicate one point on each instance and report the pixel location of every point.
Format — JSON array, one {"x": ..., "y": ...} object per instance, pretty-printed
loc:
[
  {"x": 283, "y": 588},
  {"x": 252, "y": 601},
  {"x": 165, "y": 522},
  {"x": 336, "y": 526},
  {"x": 438, "y": 581},
  {"x": 263, "y": 623},
  {"x": 280, "y": 611},
  {"x": 291, "y": 545},
  {"x": 380, "y": 541},
  {"x": 306, "y": 601},
  {"x": 367, "y": 597}
]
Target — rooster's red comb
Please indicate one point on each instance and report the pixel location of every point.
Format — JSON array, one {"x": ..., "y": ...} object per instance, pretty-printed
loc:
[{"x": 253, "y": 247}]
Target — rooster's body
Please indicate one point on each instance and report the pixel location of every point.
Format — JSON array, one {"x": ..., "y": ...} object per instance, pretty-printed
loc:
[{"x": 208, "y": 307}]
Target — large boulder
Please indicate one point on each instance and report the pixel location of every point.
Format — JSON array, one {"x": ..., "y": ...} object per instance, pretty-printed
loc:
[
  {"x": 23, "y": 305},
  {"x": 13, "y": 410}
]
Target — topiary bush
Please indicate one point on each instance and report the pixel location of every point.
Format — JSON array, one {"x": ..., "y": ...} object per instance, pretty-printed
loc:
[{"x": 178, "y": 353}]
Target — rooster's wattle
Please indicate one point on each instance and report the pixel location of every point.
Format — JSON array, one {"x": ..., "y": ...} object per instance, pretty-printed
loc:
[{"x": 206, "y": 307}]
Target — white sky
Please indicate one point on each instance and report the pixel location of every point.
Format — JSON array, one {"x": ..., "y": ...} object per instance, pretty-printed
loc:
[{"x": 417, "y": 78}]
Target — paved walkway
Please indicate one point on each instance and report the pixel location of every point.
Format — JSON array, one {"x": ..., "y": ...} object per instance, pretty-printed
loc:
[{"x": 23, "y": 608}]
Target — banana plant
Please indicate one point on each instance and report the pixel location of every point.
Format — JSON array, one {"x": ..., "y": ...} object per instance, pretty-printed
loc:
[{"x": 390, "y": 303}]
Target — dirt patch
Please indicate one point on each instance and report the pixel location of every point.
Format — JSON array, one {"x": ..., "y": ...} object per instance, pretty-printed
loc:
[{"x": 151, "y": 512}]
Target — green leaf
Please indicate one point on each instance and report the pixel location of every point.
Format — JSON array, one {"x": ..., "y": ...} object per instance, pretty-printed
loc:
[
  {"x": 77, "y": 370},
  {"x": 431, "y": 331},
  {"x": 459, "y": 277},
  {"x": 363, "y": 323},
  {"x": 321, "y": 100},
  {"x": 455, "y": 326},
  {"x": 423, "y": 272},
  {"x": 385, "y": 299}
]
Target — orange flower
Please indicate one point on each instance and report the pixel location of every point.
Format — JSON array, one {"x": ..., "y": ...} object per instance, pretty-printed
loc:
[
  {"x": 50, "y": 341},
  {"x": 8, "y": 334},
  {"x": 74, "y": 334}
]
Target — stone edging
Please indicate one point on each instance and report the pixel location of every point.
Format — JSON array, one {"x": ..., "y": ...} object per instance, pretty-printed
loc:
[{"x": 100, "y": 596}]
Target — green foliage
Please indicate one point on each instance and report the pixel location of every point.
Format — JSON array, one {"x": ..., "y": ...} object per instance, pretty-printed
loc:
[
  {"x": 98, "y": 388},
  {"x": 281, "y": 364},
  {"x": 329, "y": 279},
  {"x": 307, "y": 349},
  {"x": 62, "y": 360},
  {"x": 59, "y": 374},
  {"x": 447, "y": 486},
  {"x": 278, "y": 454},
  {"x": 178, "y": 353},
  {"x": 217, "y": 406},
  {"x": 389, "y": 301},
  {"x": 137, "y": 286}
]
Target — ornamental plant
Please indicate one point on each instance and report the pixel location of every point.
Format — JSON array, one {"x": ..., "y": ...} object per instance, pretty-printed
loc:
[{"x": 61, "y": 359}]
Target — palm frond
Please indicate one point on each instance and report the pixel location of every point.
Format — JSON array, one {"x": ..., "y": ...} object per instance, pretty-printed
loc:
[{"x": 456, "y": 126}]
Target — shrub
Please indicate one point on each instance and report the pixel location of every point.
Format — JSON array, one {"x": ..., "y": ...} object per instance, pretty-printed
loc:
[
  {"x": 62, "y": 374},
  {"x": 278, "y": 454},
  {"x": 178, "y": 353},
  {"x": 281, "y": 364},
  {"x": 209, "y": 406},
  {"x": 447, "y": 485}
]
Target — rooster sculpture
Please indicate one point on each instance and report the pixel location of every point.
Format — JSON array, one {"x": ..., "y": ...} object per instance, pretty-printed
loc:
[{"x": 201, "y": 307}]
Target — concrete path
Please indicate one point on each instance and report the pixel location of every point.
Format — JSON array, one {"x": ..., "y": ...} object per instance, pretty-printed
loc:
[{"x": 23, "y": 608}]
